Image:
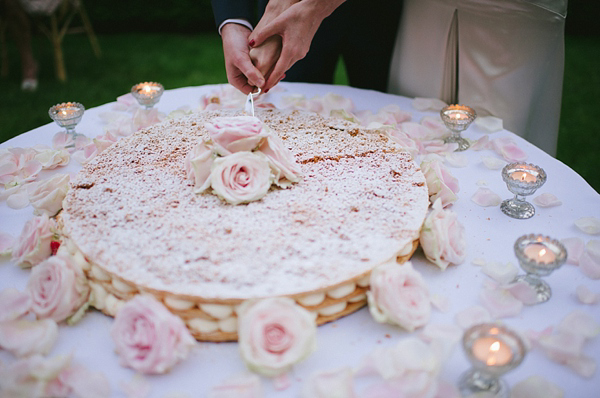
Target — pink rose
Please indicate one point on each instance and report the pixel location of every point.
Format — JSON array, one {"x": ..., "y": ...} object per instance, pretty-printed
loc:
[
  {"x": 47, "y": 196},
  {"x": 235, "y": 134},
  {"x": 241, "y": 178},
  {"x": 443, "y": 237},
  {"x": 198, "y": 164},
  {"x": 33, "y": 246},
  {"x": 282, "y": 161},
  {"x": 58, "y": 288},
  {"x": 274, "y": 334},
  {"x": 399, "y": 295},
  {"x": 148, "y": 337},
  {"x": 440, "y": 183}
]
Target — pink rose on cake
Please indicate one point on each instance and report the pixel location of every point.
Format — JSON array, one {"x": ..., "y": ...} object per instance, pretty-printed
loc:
[
  {"x": 148, "y": 337},
  {"x": 440, "y": 182},
  {"x": 274, "y": 334},
  {"x": 235, "y": 134},
  {"x": 399, "y": 295},
  {"x": 198, "y": 165},
  {"x": 58, "y": 288},
  {"x": 47, "y": 196},
  {"x": 241, "y": 177},
  {"x": 33, "y": 245},
  {"x": 282, "y": 162},
  {"x": 443, "y": 237}
]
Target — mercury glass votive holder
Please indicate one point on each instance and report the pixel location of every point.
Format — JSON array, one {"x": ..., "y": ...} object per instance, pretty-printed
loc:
[
  {"x": 147, "y": 94},
  {"x": 458, "y": 118},
  {"x": 539, "y": 256},
  {"x": 67, "y": 115},
  {"x": 522, "y": 179},
  {"x": 492, "y": 350}
]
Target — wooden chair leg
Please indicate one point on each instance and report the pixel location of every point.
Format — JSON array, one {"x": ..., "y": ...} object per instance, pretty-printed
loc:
[{"x": 56, "y": 38}]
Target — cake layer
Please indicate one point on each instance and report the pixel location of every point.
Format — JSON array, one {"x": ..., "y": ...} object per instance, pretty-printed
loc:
[{"x": 133, "y": 214}]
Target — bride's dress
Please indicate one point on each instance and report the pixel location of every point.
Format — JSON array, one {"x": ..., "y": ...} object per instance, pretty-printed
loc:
[{"x": 502, "y": 57}]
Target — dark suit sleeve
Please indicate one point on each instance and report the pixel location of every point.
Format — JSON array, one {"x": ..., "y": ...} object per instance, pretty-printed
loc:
[{"x": 228, "y": 9}]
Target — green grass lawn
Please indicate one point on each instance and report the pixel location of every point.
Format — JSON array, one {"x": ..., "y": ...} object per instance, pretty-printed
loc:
[{"x": 180, "y": 60}]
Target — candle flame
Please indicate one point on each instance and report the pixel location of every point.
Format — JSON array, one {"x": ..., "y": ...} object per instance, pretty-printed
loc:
[
  {"x": 495, "y": 346},
  {"x": 147, "y": 89},
  {"x": 523, "y": 177},
  {"x": 542, "y": 252}
]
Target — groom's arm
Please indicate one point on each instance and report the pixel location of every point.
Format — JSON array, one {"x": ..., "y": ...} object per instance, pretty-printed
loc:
[{"x": 237, "y": 10}]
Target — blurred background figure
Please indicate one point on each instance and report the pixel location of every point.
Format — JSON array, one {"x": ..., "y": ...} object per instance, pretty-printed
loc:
[{"x": 18, "y": 24}]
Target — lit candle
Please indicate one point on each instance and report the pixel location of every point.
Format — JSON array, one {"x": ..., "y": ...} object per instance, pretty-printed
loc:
[
  {"x": 492, "y": 351},
  {"x": 539, "y": 253},
  {"x": 458, "y": 116},
  {"x": 523, "y": 176}
]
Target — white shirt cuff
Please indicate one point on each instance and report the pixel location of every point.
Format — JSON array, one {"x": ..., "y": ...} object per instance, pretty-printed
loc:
[{"x": 237, "y": 21}]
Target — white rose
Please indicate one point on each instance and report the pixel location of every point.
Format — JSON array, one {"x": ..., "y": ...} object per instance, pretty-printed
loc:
[
  {"x": 58, "y": 288},
  {"x": 443, "y": 237},
  {"x": 198, "y": 164},
  {"x": 46, "y": 196},
  {"x": 440, "y": 182},
  {"x": 235, "y": 134},
  {"x": 33, "y": 245},
  {"x": 282, "y": 161},
  {"x": 399, "y": 295},
  {"x": 241, "y": 177},
  {"x": 274, "y": 334}
]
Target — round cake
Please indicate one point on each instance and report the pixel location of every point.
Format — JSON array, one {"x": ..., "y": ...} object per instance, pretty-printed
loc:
[{"x": 134, "y": 222}]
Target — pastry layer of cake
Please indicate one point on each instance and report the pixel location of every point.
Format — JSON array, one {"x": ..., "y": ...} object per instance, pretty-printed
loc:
[{"x": 134, "y": 218}]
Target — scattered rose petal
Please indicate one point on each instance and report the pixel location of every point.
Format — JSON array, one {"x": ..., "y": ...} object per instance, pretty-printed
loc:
[
  {"x": 336, "y": 383},
  {"x": 428, "y": 104},
  {"x": 534, "y": 335},
  {"x": 492, "y": 163},
  {"x": 46, "y": 196},
  {"x": 247, "y": 385},
  {"x": 575, "y": 247},
  {"x": 86, "y": 153},
  {"x": 19, "y": 199},
  {"x": 489, "y": 123},
  {"x": 84, "y": 383},
  {"x": 593, "y": 249},
  {"x": 586, "y": 296},
  {"x": 589, "y": 265},
  {"x": 582, "y": 365},
  {"x": 480, "y": 262},
  {"x": 62, "y": 140},
  {"x": 589, "y": 225},
  {"x": 447, "y": 390},
  {"x": 13, "y": 304},
  {"x": 23, "y": 337},
  {"x": 500, "y": 302},
  {"x": 500, "y": 272},
  {"x": 472, "y": 316},
  {"x": 442, "y": 338},
  {"x": 508, "y": 149},
  {"x": 579, "y": 322},
  {"x": 481, "y": 143},
  {"x": 34, "y": 376},
  {"x": 440, "y": 303},
  {"x": 561, "y": 347},
  {"x": 536, "y": 387},
  {"x": 137, "y": 387},
  {"x": 282, "y": 382},
  {"x": 547, "y": 200},
  {"x": 485, "y": 197},
  {"x": 457, "y": 159},
  {"x": 523, "y": 292},
  {"x": 52, "y": 158},
  {"x": 481, "y": 183}
]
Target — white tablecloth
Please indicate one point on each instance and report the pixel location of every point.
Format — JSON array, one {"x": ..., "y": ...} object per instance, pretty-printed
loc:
[{"x": 345, "y": 342}]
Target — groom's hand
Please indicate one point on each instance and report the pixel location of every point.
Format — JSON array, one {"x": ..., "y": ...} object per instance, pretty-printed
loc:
[{"x": 241, "y": 72}]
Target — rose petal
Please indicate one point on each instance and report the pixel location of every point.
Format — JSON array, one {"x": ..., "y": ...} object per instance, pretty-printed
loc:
[
  {"x": 457, "y": 159},
  {"x": 442, "y": 338},
  {"x": 440, "y": 303},
  {"x": 6, "y": 243},
  {"x": 247, "y": 385},
  {"x": 500, "y": 302},
  {"x": 447, "y": 390},
  {"x": 493, "y": 163},
  {"x": 593, "y": 249},
  {"x": 575, "y": 247},
  {"x": 501, "y": 272},
  {"x": 589, "y": 265},
  {"x": 137, "y": 387},
  {"x": 13, "y": 304},
  {"x": 428, "y": 104},
  {"x": 85, "y": 383},
  {"x": 586, "y": 296},
  {"x": 583, "y": 365},
  {"x": 536, "y": 387},
  {"x": 24, "y": 337},
  {"x": 508, "y": 149},
  {"x": 472, "y": 316},
  {"x": 481, "y": 183},
  {"x": 580, "y": 323},
  {"x": 589, "y": 225},
  {"x": 547, "y": 200},
  {"x": 481, "y": 143},
  {"x": 485, "y": 197},
  {"x": 523, "y": 292},
  {"x": 335, "y": 383},
  {"x": 480, "y": 262},
  {"x": 489, "y": 123},
  {"x": 18, "y": 200},
  {"x": 561, "y": 347}
]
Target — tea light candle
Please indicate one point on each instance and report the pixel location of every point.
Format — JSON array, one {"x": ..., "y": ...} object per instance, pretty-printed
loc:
[
  {"x": 523, "y": 176},
  {"x": 539, "y": 253},
  {"x": 67, "y": 115},
  {"x": 492, "y": 351},
  {"x": 147, "y": 93},
  {"x": 458, "y": 116}
]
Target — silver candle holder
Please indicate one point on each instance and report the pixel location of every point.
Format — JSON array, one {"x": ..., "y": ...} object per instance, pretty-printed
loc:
[
  {"x": 492, "y": 350},
  {"x": 458, "y": 118},
  {"x": 147, "y": 94},
  {"x": 67, "y": 115},
  {"x": 539, "y": 256},
  {"x": 522, "y": 179}
]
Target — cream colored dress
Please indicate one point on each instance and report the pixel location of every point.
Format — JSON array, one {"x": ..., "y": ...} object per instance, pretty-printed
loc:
[{"x": 503, "y": 57}]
